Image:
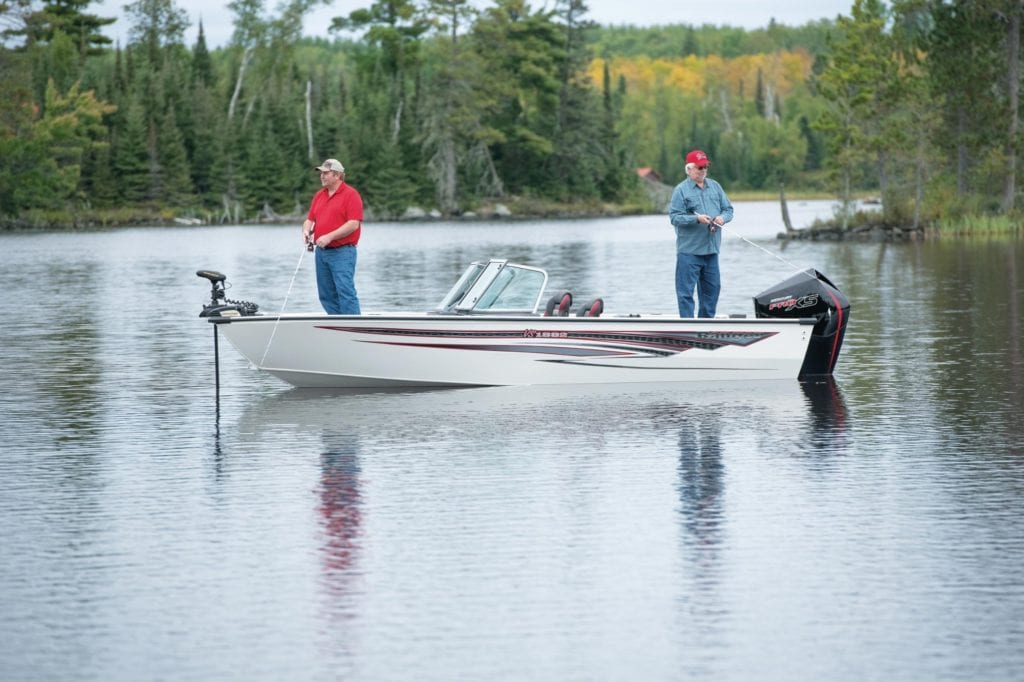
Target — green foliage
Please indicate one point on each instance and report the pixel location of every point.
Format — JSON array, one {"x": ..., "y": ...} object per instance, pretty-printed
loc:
[
  {"x": 42, "y": 167},
  {"x": 131, "y": 159},
  {"x": 156, "y": 24},
  {"x": 206, "y": 153},
  {"x": 395, "y": 26},
  {"x": 449, "y": 104},
  {"x": 174, "y": 182},
  {"x": 858, "y": 84},
  {"x": 683, "y": 40},
  {"x": 60, "y": 60},
  {"x": 964, "y": 65},
  {"x": 202, "y": 64},
  {"x": 40, "y": 23},
  {"x": 980, "y": 225}
]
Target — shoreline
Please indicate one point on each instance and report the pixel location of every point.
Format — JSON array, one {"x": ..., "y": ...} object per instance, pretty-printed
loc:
[
  {"x": 868, "y": 227},
  {"x": 121, "y": 219},
  {"x": 510, "y": 208}
]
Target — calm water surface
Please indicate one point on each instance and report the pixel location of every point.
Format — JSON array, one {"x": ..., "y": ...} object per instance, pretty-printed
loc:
[{"x": 869, "y": 528}]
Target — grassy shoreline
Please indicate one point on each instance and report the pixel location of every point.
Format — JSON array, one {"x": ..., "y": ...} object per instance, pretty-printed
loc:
[{"x": 510, "y": 208}]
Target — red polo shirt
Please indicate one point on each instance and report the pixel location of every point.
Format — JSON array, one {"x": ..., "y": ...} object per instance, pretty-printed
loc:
[{"x": 328, "y": 213}]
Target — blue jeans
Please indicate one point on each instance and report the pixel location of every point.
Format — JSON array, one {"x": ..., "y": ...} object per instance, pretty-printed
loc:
[
  {"x": 702, "y": 272},
  {"x": 335, "y": 280}
]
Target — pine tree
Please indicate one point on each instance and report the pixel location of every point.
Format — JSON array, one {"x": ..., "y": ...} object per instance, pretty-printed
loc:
[
  {"x": 99, "y": 184},
  {"x": 175, "y": 182},
  {"x": 67, "y": 17},
  {"x": 615, "y": 173},
  {"x": 202, "y": 64},
  {"x": 60, "y": 63},
  {"x": 690, "y": 44},
  {"x": 207, "y": 149},
  {"x": 815, "y": 154},
  {"x": 131, "y": 156}
]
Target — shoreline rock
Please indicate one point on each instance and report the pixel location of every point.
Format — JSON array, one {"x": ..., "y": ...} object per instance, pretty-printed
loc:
[{"x": 860, "y": 233}]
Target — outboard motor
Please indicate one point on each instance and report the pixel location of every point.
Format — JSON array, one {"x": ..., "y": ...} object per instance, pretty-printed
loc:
[
  {"x": 810, "y": 294},
  {"x": 219, "y": 304}
]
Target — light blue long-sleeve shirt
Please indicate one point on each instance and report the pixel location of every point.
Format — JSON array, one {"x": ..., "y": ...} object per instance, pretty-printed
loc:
[{"x": 687, "y": 201}]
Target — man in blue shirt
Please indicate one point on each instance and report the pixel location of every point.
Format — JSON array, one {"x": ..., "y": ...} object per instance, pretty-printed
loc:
[{"x": 698, "y": 210}]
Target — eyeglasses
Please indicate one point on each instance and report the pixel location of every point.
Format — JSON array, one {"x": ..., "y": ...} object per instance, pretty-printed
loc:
[{"x": 702, "y": 167}]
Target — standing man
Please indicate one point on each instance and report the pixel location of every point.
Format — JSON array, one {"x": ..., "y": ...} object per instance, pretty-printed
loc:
[
  {"x": 698, "y": 210},
  {"x": 333, "y": 224}
]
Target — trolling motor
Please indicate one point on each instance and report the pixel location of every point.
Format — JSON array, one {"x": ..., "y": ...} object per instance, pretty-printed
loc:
[
  {"x": 219, "y": 303},
  {"x": 221, "y": 306},
  {"x": 810, "y": 294}
]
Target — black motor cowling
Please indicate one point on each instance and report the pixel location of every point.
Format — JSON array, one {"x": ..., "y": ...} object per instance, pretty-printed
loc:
[{"x": 810, "y": 294}]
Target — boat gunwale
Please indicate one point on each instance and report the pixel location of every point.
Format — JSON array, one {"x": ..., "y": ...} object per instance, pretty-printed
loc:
[{"x": 610, "y": 319}]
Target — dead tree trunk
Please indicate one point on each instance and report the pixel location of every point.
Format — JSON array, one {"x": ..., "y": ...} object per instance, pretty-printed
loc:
[{"x": 785, "y": 209}]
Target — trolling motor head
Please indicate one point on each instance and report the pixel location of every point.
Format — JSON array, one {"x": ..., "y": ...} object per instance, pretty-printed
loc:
[
  {"x": 219, "y": 304},
  {"x": 216, "y": 282},
  {"x": 810, "y": 294}
]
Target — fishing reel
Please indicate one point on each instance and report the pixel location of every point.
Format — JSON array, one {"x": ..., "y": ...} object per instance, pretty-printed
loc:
[{"x": 219, "y": 303}]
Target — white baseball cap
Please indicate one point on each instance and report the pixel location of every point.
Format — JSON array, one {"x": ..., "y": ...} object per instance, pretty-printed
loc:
[{"x": 331, "y": 165}]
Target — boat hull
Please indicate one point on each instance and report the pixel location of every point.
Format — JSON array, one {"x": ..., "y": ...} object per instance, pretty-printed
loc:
[{"x": 404, "y": 350}]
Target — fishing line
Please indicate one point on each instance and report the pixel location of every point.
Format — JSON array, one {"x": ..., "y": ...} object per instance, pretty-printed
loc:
[
  {"x": 770, "y": 253},
  {"x": 286, "y": 295}
]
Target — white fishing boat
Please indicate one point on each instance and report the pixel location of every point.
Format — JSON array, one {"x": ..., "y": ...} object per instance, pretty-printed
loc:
[{"x": 490, "y": 330}]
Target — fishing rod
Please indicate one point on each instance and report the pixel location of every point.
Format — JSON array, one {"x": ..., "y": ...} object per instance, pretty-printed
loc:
[
  {"x": 712, "y": 226},
  {"x": 795, "y": 267}
]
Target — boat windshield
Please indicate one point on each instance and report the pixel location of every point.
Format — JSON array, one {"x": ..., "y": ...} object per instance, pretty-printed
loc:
[
  {"x": 496, "y": 287},
  {"x": 458, "y": 291},
  {"x": 514, "y": 289}
]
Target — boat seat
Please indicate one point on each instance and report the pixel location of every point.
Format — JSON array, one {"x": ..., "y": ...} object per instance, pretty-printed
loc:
[
  {"x": 559, "y": 305},
  {"x": 592, "y": 309}
]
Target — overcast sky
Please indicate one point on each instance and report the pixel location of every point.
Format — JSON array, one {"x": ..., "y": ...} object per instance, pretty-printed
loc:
[{"x": 742, "y": 13}]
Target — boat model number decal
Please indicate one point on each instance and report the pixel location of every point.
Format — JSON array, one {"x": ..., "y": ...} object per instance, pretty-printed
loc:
[
  {"x": 793, "y": 303},
  {"x": 537, "y": 334}
]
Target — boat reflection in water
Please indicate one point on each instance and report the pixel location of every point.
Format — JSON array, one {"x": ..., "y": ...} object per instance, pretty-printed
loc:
[
  {"x": 828, "y": 414},
  {"x": 340, "y": 508},
  {"x": 506, "y": 478}
]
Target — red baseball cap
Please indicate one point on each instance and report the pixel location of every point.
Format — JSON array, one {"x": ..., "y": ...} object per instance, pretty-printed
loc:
[{"x": 698, "y": 157}]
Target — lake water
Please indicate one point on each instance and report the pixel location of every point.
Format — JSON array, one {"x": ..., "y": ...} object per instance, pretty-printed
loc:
[{"x": 866, "y": 528}]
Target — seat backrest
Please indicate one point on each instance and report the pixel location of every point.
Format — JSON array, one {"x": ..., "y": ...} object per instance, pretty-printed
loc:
[
  {"x": 558, "y": 305},
  {"x": 592, "y": 309}
]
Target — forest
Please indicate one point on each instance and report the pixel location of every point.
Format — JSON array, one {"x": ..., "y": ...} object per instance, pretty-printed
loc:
[{"x": 443, "y": 105}]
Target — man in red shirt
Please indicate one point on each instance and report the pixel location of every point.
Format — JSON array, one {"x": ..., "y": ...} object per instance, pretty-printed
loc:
[{"x": 333, "y": 224}]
